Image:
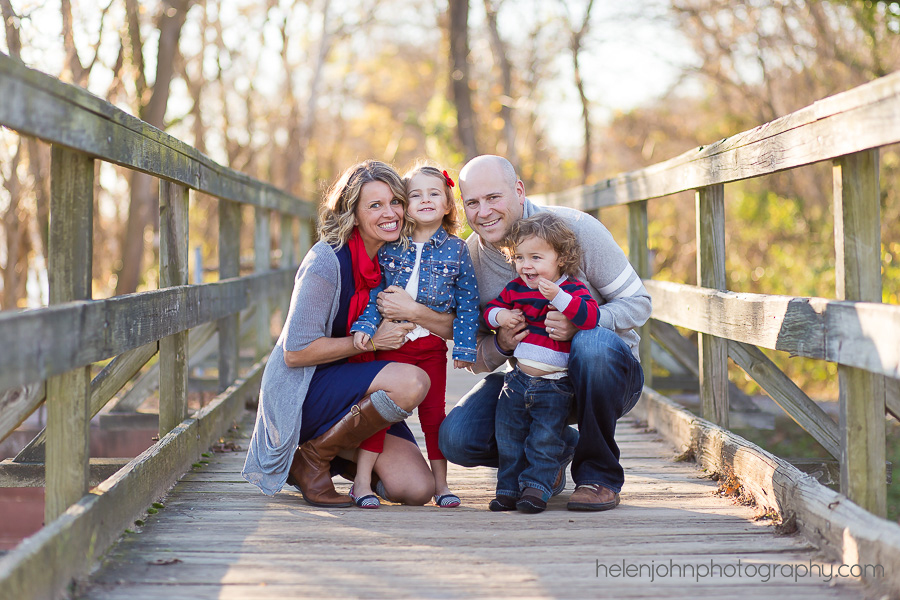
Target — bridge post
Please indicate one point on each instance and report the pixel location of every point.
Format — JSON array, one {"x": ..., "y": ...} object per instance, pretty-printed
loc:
[
  {"x": 857, "y": 238},
  {"x": 173, "y": 270},
  {"x": 711, "y": 273},
  {"x": 262, "y": 248},
  {"x": 69, "y": 272},
  {"x": 304, "y": 241},
  {"x": 288, "y": 254},
  {"x": 639, "y": 255},
  {"x": 229, "y": 266}
]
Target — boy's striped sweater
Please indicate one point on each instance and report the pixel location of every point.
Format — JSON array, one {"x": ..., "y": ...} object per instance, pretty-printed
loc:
[{"x": 574, "y": 301}]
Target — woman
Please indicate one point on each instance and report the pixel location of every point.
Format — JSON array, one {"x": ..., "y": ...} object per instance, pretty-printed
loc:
[{"x": 318, "y": 391}]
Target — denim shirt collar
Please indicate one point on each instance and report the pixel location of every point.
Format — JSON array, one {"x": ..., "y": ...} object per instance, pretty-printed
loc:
[{"x": 440, "y": 236}]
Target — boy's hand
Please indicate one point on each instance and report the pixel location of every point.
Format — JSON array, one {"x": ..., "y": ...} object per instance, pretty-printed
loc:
[
  {"x": 461, "y": 364},
  {"x": 360, "y": 340},
  {"x": 547, "y": 288},
  {"x": 510, "y": 319}
]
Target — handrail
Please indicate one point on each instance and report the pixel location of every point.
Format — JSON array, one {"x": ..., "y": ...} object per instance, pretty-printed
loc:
[
  {"x": 60, "y": 342},
  {"x": 855, "y": 330}
]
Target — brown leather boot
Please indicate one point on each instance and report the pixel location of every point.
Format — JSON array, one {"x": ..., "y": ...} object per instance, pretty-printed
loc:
[{"x": 310, "y": 470}]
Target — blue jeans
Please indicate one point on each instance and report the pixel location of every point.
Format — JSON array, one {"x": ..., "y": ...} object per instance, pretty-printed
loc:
[
  {"x": 530, "y": 421},
  {"x": 607, "y": 379}
]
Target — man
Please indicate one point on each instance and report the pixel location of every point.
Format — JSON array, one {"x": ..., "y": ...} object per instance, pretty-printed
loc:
[{"x": 603, "y": 364}]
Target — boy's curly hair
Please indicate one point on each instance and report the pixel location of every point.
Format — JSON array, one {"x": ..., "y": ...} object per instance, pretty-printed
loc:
[{"x": 553, "y": 230}]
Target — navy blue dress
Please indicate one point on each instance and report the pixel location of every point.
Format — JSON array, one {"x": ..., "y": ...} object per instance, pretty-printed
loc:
[{"x": 338, "y": 385}]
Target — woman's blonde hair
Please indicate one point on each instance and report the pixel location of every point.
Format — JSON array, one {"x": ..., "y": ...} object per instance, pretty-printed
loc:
[
  {"x": 337, "y": 213},
  {"x": 553, "y": 230},
  {"x": 451, "y": 222}
]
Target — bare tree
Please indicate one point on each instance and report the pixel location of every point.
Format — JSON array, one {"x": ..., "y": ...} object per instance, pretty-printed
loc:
[
  {"x": 459, "y": 76},
  {"x": 501, "y": 59},
  {"x": 576, "y": 46},
  {"x": 144, "y": 201}
]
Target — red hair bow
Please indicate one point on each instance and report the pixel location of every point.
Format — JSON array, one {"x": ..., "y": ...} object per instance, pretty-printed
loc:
[{"x": 447, "y": 178}]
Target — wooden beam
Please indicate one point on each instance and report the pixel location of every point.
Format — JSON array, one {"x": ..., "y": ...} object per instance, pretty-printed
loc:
[
  {"x": 17, "y": 404},
  {"x": 262, "y": 248},
  {"x": 711, "y": 273},
  {"x": 857, "y": 237},
  {"x": 40, "y": 343},
  {"x": 892, "y": 396},
  {"x": 685, "y": 352},
  {"x": 69, "y": 272},
  {"x": 229, "y": 266},
  {"x": 173, "y": 271},
  {"x": 15, "y": 474},
  {"x": 829, "y": 520},
  {"x": 798, "y": 406},
  {"x": 66, "y": 115},
  {"x": 78, "y": 538},
  {"x": 202, "y": 341},
  {"x": 103, "y": 387},
  {"x": 639, "y": 255},
  {"x": 813, "y": 134},
  {"x": 859, "y": 334}
]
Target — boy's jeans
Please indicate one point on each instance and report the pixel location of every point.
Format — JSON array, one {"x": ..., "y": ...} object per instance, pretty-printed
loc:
[
  {"x": 531, "y": 416},
  {"x": 608, "y": 382}
]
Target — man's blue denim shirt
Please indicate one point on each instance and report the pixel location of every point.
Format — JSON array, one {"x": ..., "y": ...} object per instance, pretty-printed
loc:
[{"x": 446, "y": 283}]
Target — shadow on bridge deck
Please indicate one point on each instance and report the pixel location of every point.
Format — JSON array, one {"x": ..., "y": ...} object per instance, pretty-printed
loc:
[{"x": 673, "y": 536}]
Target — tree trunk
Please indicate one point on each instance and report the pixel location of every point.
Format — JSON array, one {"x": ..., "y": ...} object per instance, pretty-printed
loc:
[
  {"x": 144, "y": 206},
  {"x": 459, "y": 76},
  {"x": 576, "y": 46},
  {"x": 500, "y": 56}
]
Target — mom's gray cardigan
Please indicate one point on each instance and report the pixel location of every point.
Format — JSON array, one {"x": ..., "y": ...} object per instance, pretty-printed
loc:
[{"x": 314, "y": 304}]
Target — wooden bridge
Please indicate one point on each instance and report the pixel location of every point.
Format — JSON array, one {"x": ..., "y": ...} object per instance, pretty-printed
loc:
[{"x": 213, "y": 535}]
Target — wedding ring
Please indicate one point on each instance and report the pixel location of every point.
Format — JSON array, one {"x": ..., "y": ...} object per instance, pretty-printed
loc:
[{"x": 552, "y": 329}]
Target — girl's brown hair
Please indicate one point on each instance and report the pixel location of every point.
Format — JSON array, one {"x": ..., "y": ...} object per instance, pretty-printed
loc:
[{"x": 451, "y": 221}]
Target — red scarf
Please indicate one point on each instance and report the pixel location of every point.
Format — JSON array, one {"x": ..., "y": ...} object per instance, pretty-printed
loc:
[{"x": 366, "y": 275}]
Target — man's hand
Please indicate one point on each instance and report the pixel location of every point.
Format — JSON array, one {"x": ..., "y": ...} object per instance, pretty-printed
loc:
[
  {"x": 509, "y": 338},
  {"x": 395, "y": 304},
  {"x": 558, "y": 327},
  {"x": 547, "y": 288}
]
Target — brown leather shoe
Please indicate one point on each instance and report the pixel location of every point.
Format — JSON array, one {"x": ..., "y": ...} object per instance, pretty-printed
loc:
[
  {"x": 594, "y": 497},
  {"x": 310, "y": 470}
]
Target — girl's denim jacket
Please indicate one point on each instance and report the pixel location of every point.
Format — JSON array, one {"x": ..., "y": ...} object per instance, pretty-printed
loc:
[{"x": 446, "y": 283}]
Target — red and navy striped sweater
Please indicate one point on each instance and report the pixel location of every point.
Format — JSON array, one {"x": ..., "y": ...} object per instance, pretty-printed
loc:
[{"x": 574, "y": 301}]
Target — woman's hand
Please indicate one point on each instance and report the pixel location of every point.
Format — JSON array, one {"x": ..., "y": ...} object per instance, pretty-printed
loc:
[
  {"x": 391, "y": 335},
  {"x": 395, "y": 304}
]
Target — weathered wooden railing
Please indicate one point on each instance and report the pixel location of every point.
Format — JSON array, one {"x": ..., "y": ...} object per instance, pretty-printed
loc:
[
  {"x": 59, "y": 343},
  {"x": 854, "y": 330}
]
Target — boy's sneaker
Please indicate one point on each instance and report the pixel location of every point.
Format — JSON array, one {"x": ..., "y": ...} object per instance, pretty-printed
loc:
[
  {"x": 532, "y": 501},
  {"x": 502, "y": 502}
]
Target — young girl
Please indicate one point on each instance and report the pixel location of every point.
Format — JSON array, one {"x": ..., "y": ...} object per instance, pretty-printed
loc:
[
  {"x": 537, "y": 395},
  {"x": 434, "y": 267}
]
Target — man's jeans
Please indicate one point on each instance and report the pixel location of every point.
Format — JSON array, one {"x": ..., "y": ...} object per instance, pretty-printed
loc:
[
  {"x": 607, "y": 379},
  {"x": 530, "y": 420}
]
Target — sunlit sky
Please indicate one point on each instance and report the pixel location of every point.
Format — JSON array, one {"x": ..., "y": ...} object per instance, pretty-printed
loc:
[{"x": 629, "y": 57}]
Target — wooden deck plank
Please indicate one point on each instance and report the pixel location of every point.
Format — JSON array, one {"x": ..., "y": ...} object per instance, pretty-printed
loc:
[{"x": 218, "y": 537}]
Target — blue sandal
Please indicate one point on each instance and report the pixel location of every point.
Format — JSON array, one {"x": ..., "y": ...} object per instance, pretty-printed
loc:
[
  {"x": 367, "y": 501},
  {"x": 447, "y": 501}
]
